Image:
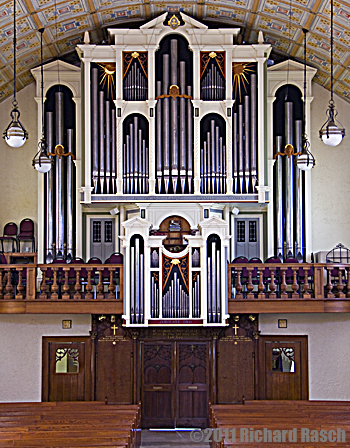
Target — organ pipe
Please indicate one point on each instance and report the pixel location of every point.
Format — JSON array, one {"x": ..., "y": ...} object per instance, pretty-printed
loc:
[
  {"x": 240, "y": 146},
  {"x": 102, "y": 140},
  {"x": 165, "y": 124},
  {"x": 70, "y": 204},
  {"x": 60, "y": 204},
  {"x": 49, "y": 210},
  {"x": 173, "y": 116},
  {"x": 299, "y": 194},
  {"x": 289, "y": 180},
  {"x": 214, "y": 281},
  {"x": 94, "y": 125},
  {"x": 182, "y": 127},
  {"x": 253, "y": 131},
  {"x": 235, "y": 152},
  {"x": 279, "y": 198},
  {"x": 246, "y": 142}
]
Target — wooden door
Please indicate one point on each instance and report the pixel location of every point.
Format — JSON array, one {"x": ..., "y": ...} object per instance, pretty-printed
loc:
[
  {"x": 247, "y": 242},
  {"x": 283, "y": 368},
  {"x": 158, "y": 386},
  {"x": 191, "y": 385},
  {"x": 102, "y": 237},
  {"x": 66, "y": 372}
]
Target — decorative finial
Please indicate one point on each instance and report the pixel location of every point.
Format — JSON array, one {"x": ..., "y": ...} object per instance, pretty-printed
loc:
[
  {"x": 260, "y": 37},
  {"x": 86, "y": 38}
]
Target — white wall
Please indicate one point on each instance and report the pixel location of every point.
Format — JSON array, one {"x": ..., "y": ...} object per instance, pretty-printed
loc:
[
  {"x": 330, "y": 177},
  {"x": 21, "y": 350},
  {"x": 329, "y": 341},
  {"x": 18, "y": 179}
]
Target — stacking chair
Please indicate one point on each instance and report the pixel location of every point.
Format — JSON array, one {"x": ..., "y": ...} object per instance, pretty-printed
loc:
[
  {"x": 9, "y": 234},
  {"x": 244, "y": 271},
  {"x": 267, "y": 272},
  {"x": 26, "y": 233}
]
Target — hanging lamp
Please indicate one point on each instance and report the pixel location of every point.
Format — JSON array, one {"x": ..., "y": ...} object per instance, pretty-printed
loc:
[
  {"x": 15, "y": 134},
  {"x": 42, "y": 162},
  {"x": 332, "y": 131},
  {"x": 306, "y": 161}
]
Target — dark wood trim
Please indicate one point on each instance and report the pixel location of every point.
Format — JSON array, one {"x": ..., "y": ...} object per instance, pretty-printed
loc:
[{"x": 46, "y": 340}]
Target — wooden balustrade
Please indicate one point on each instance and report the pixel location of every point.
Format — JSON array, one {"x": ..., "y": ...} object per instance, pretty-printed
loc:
[
  {"x": 17, "y": 281},
  {"x": 266, "y": 281},
  {"x": 81, "y": 282}
]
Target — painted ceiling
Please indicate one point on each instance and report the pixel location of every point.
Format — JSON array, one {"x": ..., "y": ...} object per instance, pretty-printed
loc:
[{"x": 280, "y": 21}]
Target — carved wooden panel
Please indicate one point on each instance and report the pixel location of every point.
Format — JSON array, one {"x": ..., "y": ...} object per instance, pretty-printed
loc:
[
  {"x": 157, "y": 385},
  {"x": 192, "y": 385}
]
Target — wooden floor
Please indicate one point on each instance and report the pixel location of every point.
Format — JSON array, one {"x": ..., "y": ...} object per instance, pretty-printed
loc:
[{"x": 169, "y": 439}]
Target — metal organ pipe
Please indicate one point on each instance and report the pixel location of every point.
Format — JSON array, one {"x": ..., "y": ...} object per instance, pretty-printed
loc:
[
  {"x": 189, "y": 138},
  {"x": 246, "y": 141},
  {"x": 182, "y": 127},
  {"x": 299, "y": 194},
  {"x": 289, "y": 180},
  {"x": 279, "y": 198},
  {"x": 253, "y": 133},
  {"x": 159, "y": 137},
  {"x": 113, "y": 152},
  {"x": 94, "y": 125},
  {"x": 235, "y": 152},
  {"x": 240, "y": 145},
  {"x": 101, "y": 139},
  {"x": 166, "y": 123},
  {"x": 173, "y": 116},
  {"x": 108, "y": 147},
  {"x": 49, "y": 189},
  {"x": 60, "y": 205},
  {"x": 69, "y": 171}
]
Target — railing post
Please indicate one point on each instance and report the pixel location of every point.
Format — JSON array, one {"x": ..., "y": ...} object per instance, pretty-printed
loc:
[
  {"x": 31, "y": 283},
  {"x": 20, "y": 286},
  {"x": 306, "y": 294},
  {"x": 88, "y": 295},
  {"x": 319, "y": 282},
  {"x": 250, "y": 285},
  {"x": 329, "y": 285},
  {"x": 77, "y": 286},
  {"x": 66, "y": 295},
  {"x": 239, "y": 286},
  {"x": 295, "y": 286},
  {"x": 54, "y": 288},
  {"x": 340, "y": 285},
  {"x": 261, "y": 287},
  {"x": 43, "y": 286},
  {"x": 100, "y": 288},
  {"x": 111, "y": 286},
  {"x": 284, "y": 294},
  {"x": 9, "y": 288}
]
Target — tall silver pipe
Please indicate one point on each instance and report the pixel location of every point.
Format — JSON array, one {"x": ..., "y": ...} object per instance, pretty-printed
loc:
[
  {"x": 125, "y": 188},
  {"x": 101, "y": 139},
  {"x": 221, "y": 164},
  {"x": 60, "y": 205},
  {"x": 209, "y": 277},
  {"x": 217, "y": 160},
  {"x": 70, "y": 193},
  {"x": 128, "y": 186},
  {"x": 214, "y": 280},
  {"x": 240, "y": 146},
  {"x": 246, "y": 142},
  {"x": 165, "y": 123},
  {"x": 49, "y": 209},
  {"x": 253, "y": 131},
  {"x": 141, "y": 166},
  {"x": 147, "y": 167},
  {"x": 235, "y": 152},
  {"x": 94, "y": 125},
  {"x": 213, "y": 151},
  {"x": 153, "y": 293},
  {"x": 299, "y": 194},
  {"x": 136, "y": 158},
  {"x": 108, "y": 147},
  {"x": 289, "y": 161},
  {"x": 218, "y": 287},
  {"x": 131, "y": 156},
  {"x": 279, "y": 198},
  {"x": 205, "y": 168},
  {"x": 174, "y": 142},
  {"x": 137, "y": 280},
  {"x": 114, "y": 152},
  {"x": 182, "y": 126},
  {"x": 209, "y": 163},
  {"x": 144, "y": 174},
  {"x": 141, "y": 289},
  {"x": 159, "y": 137},
  {"x": 189, "y": 139},
  {"x": 132, "y": 284}
]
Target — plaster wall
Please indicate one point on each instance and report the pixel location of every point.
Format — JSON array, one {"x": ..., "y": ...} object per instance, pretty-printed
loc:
[
  {"x": 18, "y": 179},
  {"x": 329, "y": 360},
  {"x": 330, "y": 177},
  {"x": 21, "y": 350}
]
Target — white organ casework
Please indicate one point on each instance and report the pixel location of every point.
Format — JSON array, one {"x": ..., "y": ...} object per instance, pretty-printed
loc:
[{"x": 175, "y": 270}]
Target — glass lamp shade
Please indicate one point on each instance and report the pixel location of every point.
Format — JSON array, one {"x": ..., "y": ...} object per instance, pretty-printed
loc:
[
  {"x": 15, "y": 136},
  {"x": 305, "y": 162},
  {"x": 43, "y": 165},
  {"x": 331, "y": 135}
]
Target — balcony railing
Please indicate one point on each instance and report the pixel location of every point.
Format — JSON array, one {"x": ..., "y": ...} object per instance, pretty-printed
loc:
[
  {"x": 251, "y": 281},
  {"x": 90, "y": 288}
]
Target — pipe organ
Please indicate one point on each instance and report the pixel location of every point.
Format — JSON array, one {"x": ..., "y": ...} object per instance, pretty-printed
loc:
[
  {"x": 103, "y": 136},
  {"x": 289, "y": 195},
  {"x": 135, "y": 82},
  {"x": 60, "y": 181},
  {"x": 213, "y": 75}
]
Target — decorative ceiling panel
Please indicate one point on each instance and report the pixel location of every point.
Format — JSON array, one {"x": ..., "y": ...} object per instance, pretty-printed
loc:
[{"x": 281, "y": 21}]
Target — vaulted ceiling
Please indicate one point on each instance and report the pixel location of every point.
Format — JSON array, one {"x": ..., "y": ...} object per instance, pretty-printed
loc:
[{"x": 281, "y": 28}]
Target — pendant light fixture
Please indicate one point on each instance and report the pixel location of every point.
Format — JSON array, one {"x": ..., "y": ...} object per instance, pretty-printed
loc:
[
  {"x": 332, "y": 131},
  {"x": 15, "y": 134},
  {"x": 41, "y": 161},
  {"x": 306, "y": 161}
]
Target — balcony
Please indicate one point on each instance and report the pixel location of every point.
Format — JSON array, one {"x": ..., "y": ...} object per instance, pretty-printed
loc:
[{"x": 252, "y": 288}]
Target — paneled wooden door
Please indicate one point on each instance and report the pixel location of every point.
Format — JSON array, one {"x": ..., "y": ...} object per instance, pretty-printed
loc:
[
  {"x": 66, "y": 369},
  {"x": 175, "y": 381},
  {"x": 283, "y": 368}
]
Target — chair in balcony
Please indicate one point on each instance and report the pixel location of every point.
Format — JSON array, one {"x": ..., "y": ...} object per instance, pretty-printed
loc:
[
  {"x": 289, "y": 275},
  {"x": 116, "y": 258},
  {"x": 88, "y": 288},
  {"x": 26, "y": 233},
  {"x": 255, "y": 276},
  {"x": 9, "y": 235}
]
